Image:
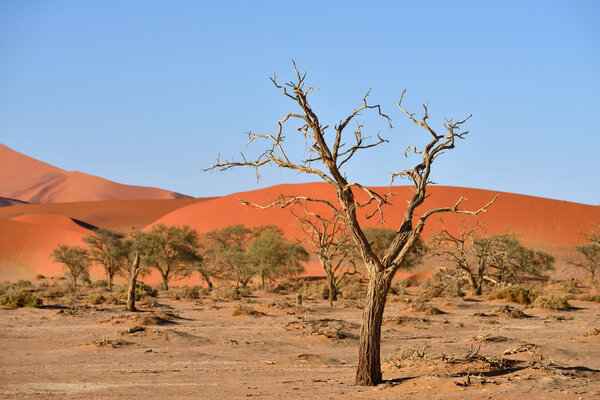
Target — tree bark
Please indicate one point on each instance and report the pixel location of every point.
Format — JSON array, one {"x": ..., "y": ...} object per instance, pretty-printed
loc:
[
  {"x": 368, "y": 372},
  {"x": 165, "y": 280},
  {"x": 133, "y": 274},
  {"x": 332, "y": 289},
  {"x": 110, "y": 282}
]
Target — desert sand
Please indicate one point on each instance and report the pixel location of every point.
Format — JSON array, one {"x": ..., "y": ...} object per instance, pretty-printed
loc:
[{"x": 198, "y": 349}]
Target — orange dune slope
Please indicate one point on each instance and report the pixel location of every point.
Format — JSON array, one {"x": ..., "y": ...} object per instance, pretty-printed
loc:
[
  {"x": 533, "y": 219},
  {"x": 27, "y": 179},
  {"x": 26, "y": 243}
]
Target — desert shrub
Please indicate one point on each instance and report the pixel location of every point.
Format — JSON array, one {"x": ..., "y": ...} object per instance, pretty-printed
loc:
[
  {"x": 187, "y": 292},
  {"x": 242, "y": 309},
  {"x": 589, "y": 297},
  {"x": 110, "y": 343},
  {"x": 282, "y": 287},
  {"x": 100, "y": 283},
  {"x": 405, "y": 354},
  {"x": 421, "y": 306},
  {"x": 552, "y": 302},
  {"x": 515, "y": 293},
  {"x": 20, "y": 298},
  {"x": 593, "y": 332},
  {"x": 396, "y": 290},
  {"x": 40, "y": 276},
  {"x": 95, "y": 299},
  {"x": 314, "y": 290},
  {"x": 405, "y": 283},
  {"x": 443, "y": 284},
  {"x": 571, "y": 286},
  {"x": 510, "y": 312},
  {"x": 352, "y": 289},
  {"x": 23, "y": 284},
  {"x": 142, "y": 291},
  {"x": 228, "y": 292}
]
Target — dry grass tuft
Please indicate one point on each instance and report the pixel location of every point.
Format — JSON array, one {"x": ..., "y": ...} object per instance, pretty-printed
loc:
[
  {"x": 516, "y": 294},
  {"x": 242, "y": 309},
  {"x": 552, "y": 302}
]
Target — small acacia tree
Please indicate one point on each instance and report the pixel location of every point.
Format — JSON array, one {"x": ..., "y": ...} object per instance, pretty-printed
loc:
[
  {"x": 225, "y": 253},
  {"x": 171, "y": 250},
  {"x": 590, "y": 253},
  {"x": 76, "y": 262},
  {"x": 273, "y": 256},
  {"x": 325, "y": 157},
  {"x": 105, "y": 247},
  {"x": 497, "y": 259}
]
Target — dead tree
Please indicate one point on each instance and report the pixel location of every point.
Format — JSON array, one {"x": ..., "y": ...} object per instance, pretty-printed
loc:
[
  {"x": 331, "y": 244},
  {"x": 457, "y": 248},
  {"x": 325, "y": 157}
]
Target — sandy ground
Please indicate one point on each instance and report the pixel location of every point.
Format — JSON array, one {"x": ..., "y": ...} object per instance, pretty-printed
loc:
[{"x": 202, "y": 351}]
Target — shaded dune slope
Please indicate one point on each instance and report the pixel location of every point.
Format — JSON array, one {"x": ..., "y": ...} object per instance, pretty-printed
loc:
[{"x": 116, "y": 214}]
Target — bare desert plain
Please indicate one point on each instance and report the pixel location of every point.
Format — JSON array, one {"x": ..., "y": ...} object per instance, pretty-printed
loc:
[{"x": 264, "y": 346}]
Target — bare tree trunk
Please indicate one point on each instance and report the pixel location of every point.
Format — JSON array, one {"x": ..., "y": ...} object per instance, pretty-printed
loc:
[
  {"x": 368, "y": 372},
  {"x": 165, "y": 279},
  {"x": 133, "y": 274},
  {"x": 110, "y": 282},
  {"x": 332, "y": 289}
]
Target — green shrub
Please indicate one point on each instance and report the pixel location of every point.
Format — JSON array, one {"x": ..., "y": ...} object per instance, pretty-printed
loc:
[
  {"x": 187, "y": 292},
  {"x": 552, "y": 302},
  {"x": 229, "y": 292},
  {"x": 23, "y": 284},
  {"x": 20, "y": 298},
  {"x": 516, "y": 294},
  {"x": 95, "y": 299}
]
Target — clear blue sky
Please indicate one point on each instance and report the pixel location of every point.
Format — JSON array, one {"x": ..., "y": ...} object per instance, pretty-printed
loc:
[{"x": 149, "y": 92}]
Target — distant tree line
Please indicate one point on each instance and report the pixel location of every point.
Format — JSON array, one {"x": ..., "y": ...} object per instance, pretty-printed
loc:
[{"x": 236, "y": 254}]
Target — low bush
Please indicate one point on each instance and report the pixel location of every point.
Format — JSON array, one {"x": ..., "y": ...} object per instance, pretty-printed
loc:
[
  {"x": 245, "y": 310},
  {"x": 443, "y": 284},
  {"x": 187, "y": 292},
  {"x": 101, "y": 283},
  {"x": 589, "y": 297},
  {"x": 353, "y": 289},
  {"x": 95, "y": 299},
  {"x": 516, "y": 294},
  {"x": 142, "y": 291},
  {"x": 20, "y": 298},
  {"x": 552, "y": 302},
  {"x": 571, "y": 286},
  {"x": 229, "y": 292},
  {"x": 314, "y": 290}
]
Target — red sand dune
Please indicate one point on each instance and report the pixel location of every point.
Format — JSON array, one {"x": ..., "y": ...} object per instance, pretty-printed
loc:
[
  {"x": 533, "y": 219},
  {"x": 27, "y": 239},
  {"x": 27, "y": 179},
  {"x": 115, "y": 214}
]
